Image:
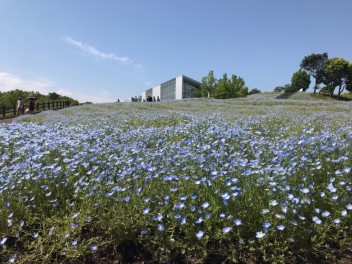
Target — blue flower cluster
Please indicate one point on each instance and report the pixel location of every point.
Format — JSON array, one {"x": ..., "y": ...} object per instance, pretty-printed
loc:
[{"x": 208, "y": 175}]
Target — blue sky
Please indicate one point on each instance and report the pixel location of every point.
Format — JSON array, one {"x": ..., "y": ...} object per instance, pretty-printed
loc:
[{"x": 101, "y": 51}]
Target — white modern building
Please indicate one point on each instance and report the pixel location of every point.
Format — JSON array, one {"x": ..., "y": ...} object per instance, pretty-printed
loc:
[{"x": 177, "y": 88}]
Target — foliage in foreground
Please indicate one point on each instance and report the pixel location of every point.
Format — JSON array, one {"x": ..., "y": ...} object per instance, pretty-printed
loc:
[{"x": 260, "y": 178}]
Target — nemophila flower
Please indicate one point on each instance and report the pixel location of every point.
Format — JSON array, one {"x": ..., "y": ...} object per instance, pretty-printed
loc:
[
  {"x": 199, "y": 220},
  {"x": 222, "y": 215},
  {"x": 180, "y": 205},
  {"x": 294, "y": 222},
  {"x": 144, "y": 231},
  {"x": 194, "y": 196},
  {"x": 237, "y": 222},
  {"x": 349, "y": 207},
  {"x": 3, "y": 240},
  {"x": 305, "y": 190},
  {"x": 93, "y": 247},
  {"x": 10, "y": 215},
  {"x": 192, "y": 208},
  {"x": 325, "y": 214},
  {"x": 205, "y": 205},
  {"x": 161, "y": 227},
  {"x": 12, "y": 259},
  {"x": 146, "y": 211},
  {"x": 316, "y": 220},
  {"x": 146, "y": 200},
  {"x": 200, "y": 234},
  {"x": 265, "y": 211},
  {"x": 266, "y": 225},
  {"x": 207, "y": 215},
  {"x": 344, "y": 212},
  {"x": 273, "y": 202},
  {"x": 183, "y": 220},
  {"x": 260, "y": 234},
  {"x": 75, "y": 215},
  {"x": 225, "y": 230},
  {"x": 280, "y": 227},
  {"x": 74, "y": 242},
  {"x": 337, "y": 220},
  {"x": 35, "y": 234},
  {"x": 331, "y": 188}
]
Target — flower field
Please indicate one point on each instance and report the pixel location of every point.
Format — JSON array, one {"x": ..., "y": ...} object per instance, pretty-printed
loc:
[{"x": 194, "y": 181}]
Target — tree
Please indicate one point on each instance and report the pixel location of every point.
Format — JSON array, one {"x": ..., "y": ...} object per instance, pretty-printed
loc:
[
  {"x": 300, "y": 81},
  {"x": 254, "y": 91},
  {"x": 314, "y": 64},
  {"x": 54, "y": 96},
  {"x": 237, "y": 87},
  {"x": 349, "y": 78},
  {"x": 208, "y": 84},
  {"x": 279, "y": 89},
  {"x": 337, "y": 74},
  {"x": 222, "y": 90}
]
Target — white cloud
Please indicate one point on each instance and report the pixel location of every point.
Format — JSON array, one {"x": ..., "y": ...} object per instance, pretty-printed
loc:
[
  {"x": 9, "y": 82},
  {"x": 93, "y": 51}
]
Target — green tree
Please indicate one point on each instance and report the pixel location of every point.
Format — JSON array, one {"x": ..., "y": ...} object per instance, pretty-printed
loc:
[
  {"x": 222, "y": 90},
  {"x": 300, "y": 81},
  {"x": 53, "y": 96},
  {"x": 254, "y": 91},
  {"x": 337, "y": 74},
  {"x": 237, "y": 87},
  {"x": 314, "y": 64},
  {"x": 349, "y": 78},
  {"x": 208, "y": 84},
  {"x": 279, "y": 89}
]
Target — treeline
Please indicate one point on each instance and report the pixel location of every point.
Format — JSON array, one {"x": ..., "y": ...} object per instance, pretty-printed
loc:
[
  {"x": 224, "y": 88},
  {"x": 9, "y": 99},
  {"x": 329, "y": 74}
]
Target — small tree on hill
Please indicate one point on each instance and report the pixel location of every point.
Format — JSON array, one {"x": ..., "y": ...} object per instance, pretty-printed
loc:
[{"x": 300, "y": 81}]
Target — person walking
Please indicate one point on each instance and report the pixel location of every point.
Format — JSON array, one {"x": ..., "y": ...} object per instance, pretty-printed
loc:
[{"x": 19, "y": 106}]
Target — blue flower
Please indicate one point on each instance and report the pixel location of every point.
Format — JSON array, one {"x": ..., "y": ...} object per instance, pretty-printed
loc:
[
  {"x": 237, "y": 222},
  {"x": 93, "y": 247},
  {"x": 260, "y": 234},
  {"x": 226, "y": 230},
  {"x": 200, "y": 234},
  {"x": 280, "y": 227},
  {"x": 3, "y": 240},
  {"x": 316, "y": 220},
  {"x": 205, "y": 205}
]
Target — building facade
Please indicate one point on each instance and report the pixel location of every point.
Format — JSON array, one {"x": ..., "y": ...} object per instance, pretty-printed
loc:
[{"x": 177, "y": 88}]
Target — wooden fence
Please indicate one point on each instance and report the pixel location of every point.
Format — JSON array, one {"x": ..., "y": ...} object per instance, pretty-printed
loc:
[{"x": 7, "y": 112}]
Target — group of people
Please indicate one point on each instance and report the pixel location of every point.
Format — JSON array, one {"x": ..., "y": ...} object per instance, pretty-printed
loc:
[
  {"x": 152, "y": 98},
  {"x": 20, "y": 106},
  {"x": 139, "y": 99}
]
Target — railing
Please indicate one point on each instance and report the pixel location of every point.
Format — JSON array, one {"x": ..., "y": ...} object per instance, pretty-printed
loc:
[{"x": 7, "y": 112}]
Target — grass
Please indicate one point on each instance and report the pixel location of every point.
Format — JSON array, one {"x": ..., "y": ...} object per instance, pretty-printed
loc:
[{"x": 193, "y": 181}]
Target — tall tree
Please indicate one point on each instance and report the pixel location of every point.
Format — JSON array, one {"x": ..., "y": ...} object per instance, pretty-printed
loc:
[
  {"x": 237, "y": 86},
  {"x": 222, "y": 90},
  {"x": 314, "y": 64},
  {"x": 337, "y": 74},
  {"x": 300, "y": 81},
  {"x": 208, "y": 84}
]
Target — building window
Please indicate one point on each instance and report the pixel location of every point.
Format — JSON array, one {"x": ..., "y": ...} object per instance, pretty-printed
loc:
[
  {"x": 168, "y": 90},
  {"x": 189, "y": 88}
]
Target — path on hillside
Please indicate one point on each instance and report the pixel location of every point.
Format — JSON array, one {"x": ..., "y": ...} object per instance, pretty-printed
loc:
[{"x": 7, "y": 120}]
